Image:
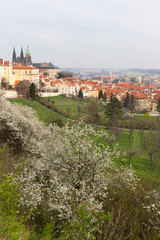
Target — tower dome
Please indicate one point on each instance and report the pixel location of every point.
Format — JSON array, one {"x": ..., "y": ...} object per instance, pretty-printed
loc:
[
  {"x": 28, "y": 60},
  {"x": 28, "y": 52}
]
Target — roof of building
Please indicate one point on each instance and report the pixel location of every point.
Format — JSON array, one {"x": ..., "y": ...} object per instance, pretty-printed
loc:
[
  {"x": 23, "y": 84},
  {"x": 20, "y": 66},
  {"x": 45, "y": 65}
]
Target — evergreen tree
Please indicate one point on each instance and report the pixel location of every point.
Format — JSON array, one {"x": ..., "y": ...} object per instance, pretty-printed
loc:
[
  {"x": 132, "y": 103},
  {"x": 100, "y": 96},
  {"x": 126, "y": 101},
  {"x": 114, "y": 108},
  {"x": 111, "y": 98},
  {"x": 80, "y": 94},
  {"x": 3, "y": 83},
  {"x": 158, "y": 105},
  {"x": 104, "y": 97},
  {"x": 32, "y": 91}
]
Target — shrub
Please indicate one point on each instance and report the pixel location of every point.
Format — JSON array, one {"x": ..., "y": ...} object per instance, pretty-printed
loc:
[
  {"x": 133, "y": 215},
  {"x": 12, "y": 226}
]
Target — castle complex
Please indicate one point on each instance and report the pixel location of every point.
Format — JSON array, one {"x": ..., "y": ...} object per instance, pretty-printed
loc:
[{"x": 24, "y": 60}]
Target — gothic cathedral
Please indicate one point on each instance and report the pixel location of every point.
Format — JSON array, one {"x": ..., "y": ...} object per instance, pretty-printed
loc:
[{"x": 24, "y": 60}]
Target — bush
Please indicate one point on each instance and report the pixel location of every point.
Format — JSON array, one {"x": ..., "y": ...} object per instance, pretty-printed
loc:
[
  {"x": 85, "y": 224},
  {"x": 58, "y": 122},
  {"x": 12, "y": 226},
  {"x": 133, "y": 215}
]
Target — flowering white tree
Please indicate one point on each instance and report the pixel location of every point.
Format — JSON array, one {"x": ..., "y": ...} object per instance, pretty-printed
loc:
[{"x": 64, "y": 166}]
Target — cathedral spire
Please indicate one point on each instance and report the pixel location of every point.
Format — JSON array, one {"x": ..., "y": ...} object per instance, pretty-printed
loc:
[
  {"x": 22, "y": 56},
  {"x": 14, "y": 59}
]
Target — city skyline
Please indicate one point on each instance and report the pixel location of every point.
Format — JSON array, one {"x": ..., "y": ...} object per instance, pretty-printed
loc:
[{"x": 84, "y": 34}]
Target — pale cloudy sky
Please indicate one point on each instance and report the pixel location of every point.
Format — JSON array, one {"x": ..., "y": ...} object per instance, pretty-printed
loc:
[{"x": 83, "y": 33}]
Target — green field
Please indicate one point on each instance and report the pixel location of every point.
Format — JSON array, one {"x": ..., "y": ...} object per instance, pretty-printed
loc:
[
  {"x": 76, "y": 109},
  {"x": 140, "y": 161},
  {"x": 42, "y": 113},
  {"x": 72, "y": 107}
]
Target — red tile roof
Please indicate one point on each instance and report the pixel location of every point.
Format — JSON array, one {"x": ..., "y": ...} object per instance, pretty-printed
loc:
[{"x": 24, "y": 67}]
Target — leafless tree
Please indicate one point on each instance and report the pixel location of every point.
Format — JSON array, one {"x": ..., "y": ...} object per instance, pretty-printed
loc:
[
  {"x": 92, "y": 108},
  {"x": 131, "y": 152},
  {"x": 152, "y": 145},
  {"x": 113, "y": 136}
]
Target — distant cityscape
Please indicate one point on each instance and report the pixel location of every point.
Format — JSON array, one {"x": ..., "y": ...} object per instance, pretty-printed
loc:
[{"x": 16, "y": 77}]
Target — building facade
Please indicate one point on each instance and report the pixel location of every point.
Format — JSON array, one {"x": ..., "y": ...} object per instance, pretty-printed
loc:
[
  {"x": 7, "y": 77},
  {"x": 29, "y": 73},
  {"x": 47, "y": 69}
]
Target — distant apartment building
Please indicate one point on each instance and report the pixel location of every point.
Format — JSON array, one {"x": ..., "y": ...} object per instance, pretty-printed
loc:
[
  {"x": 29, "y": 73},
  {"x": 147, "y": 104},
  {"x": 67, "y": 88},
  {"x": 93, "y": 93},
  {"x": 6, "y": 73}
]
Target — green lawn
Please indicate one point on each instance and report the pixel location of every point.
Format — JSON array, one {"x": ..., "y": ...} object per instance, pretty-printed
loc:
[
  {"x": 74, "y": 108},
  {"x": 142, "y": 116},
  {"x": 140, "y": 161},
  {"x": 42, "y": 113}
]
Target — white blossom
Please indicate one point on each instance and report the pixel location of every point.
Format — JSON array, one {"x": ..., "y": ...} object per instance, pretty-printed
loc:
[{"x": 64, "y": 166}]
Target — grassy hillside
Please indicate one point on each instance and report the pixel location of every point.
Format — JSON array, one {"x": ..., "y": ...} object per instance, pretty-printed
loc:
[
  {"x": 72, "y": 107},
  {"x": 43, "y": 113},
  {"x": 76, "y": 109},
  {"x": 140, "y": 161}
]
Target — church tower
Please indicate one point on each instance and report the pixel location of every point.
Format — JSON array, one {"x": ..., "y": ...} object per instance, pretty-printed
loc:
[
  {"x": 14, "y": 59},
  {"x": 28, "y": 60},
  {"x": 22, "y": 56}
]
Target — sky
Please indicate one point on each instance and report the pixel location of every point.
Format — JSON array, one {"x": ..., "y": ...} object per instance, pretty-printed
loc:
[{"x": 83, "y": 33}]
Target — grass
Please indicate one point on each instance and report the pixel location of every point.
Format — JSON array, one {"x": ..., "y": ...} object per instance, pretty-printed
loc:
[
  {"x": 150, "y": 176},
  {"x": 74, "y": 108},
  {"x": 42, "y": 113},
  {"x": 142, "y": 116},
  {"x": 140, "y": 162}
]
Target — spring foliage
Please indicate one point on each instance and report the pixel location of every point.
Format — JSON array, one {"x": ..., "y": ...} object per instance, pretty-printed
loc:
[
  {"x": 64, "y": 169},
  {"x": 64, "y": 165}
]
